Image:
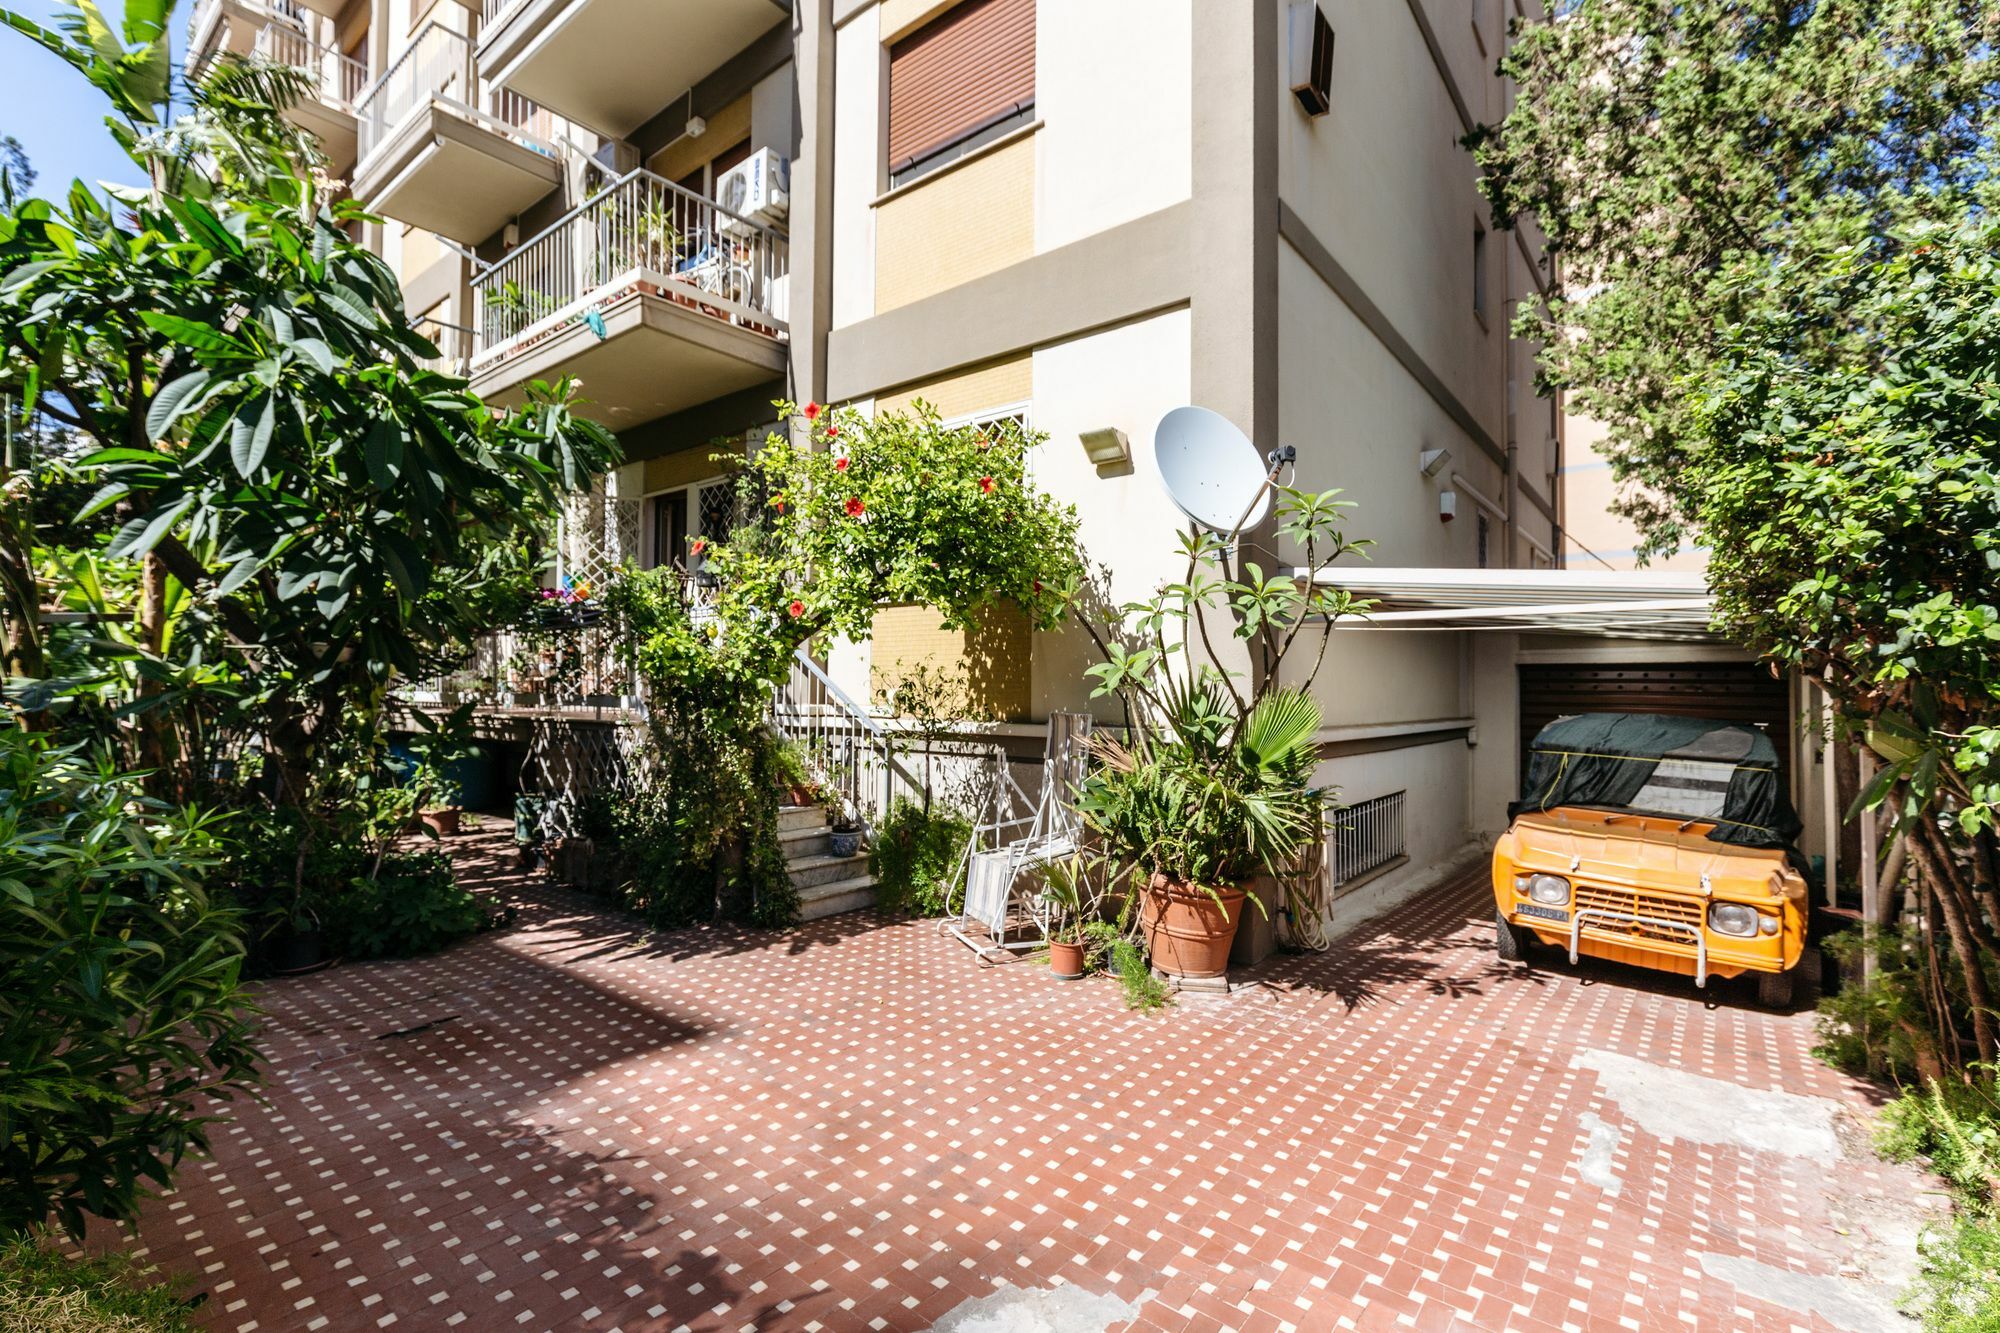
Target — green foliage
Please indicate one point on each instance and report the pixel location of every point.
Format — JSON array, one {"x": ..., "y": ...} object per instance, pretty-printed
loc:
[
  {"x": 44, "y": 1291},
  {"x": 1881, "y": 1027},
  {"x": 1955, "y": 1126},
  {"x": 1142, "y": 989},
  {"x": 121, "y": 1019},
  {"x": 1210, "y": 801},
  {"x": 1722, "y": 135},
  {"x": 411, "y": 904},
  {"x": 913, "y": 857}
]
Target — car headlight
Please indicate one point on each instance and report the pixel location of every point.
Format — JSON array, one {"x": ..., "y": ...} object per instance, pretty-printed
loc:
[
  {"x": 1550, "y": 890},
  {"x": 1732, "y": 919}
]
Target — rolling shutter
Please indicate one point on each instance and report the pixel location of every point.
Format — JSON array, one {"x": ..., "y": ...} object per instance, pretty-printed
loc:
[
  {"x": 1725, "y": 691},
  {"x": 972, "y": 66}
]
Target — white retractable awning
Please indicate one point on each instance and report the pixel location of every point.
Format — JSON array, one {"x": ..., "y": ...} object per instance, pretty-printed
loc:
[{"x": 1626, "y": 604}]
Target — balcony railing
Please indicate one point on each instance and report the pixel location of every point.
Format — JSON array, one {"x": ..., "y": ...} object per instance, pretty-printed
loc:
[
  {"x": 454, "y": 344},
  {"x": 640, "y": 233},
  {"x": 341, "y": 77},
  {"x": 489, "y": 10},
  {"x": 437, "y": 66}
]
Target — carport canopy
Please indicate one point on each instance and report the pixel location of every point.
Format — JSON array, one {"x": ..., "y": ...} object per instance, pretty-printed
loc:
[{"x": 1617, "y": 603}]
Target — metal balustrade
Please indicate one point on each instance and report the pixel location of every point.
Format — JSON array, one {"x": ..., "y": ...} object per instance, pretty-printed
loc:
[
  {"x": 437, "y": 67},
  {"x": 491, "y": 10},
  {"x": 454, "y": 344},
  {"x": 641, "y": 232},
  {"x": 849, "y": 750},
  {"x": 340, "y": 77},
  {"x": 1364, "y": 836}
]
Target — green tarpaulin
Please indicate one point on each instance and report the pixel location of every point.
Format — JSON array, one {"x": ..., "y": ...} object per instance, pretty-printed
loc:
[{"x": 1686, "y": 768}]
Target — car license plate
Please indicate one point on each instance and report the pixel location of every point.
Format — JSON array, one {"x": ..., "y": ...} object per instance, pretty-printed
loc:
[{"x": 1544, "y": 913}]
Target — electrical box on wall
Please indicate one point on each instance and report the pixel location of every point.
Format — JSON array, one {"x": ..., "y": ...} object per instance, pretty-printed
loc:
[{"x": 1309, "y": 56}]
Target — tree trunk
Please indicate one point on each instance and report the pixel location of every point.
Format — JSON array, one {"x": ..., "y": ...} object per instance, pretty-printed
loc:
[{"x": 1935, "y": 858}]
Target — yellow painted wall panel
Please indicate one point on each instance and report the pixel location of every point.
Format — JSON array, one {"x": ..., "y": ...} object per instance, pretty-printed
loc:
[
  {"x": 980, "y": 389},
  {"x": 681, "y": 468},
  {"x": 960, "y": 224},
  {"x": 994, "y": 656},
  {"x": 726, "y": 128}
]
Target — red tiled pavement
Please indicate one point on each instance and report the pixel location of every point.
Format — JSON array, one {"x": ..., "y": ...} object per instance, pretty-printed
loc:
[{"x": 572, "y": 1125}]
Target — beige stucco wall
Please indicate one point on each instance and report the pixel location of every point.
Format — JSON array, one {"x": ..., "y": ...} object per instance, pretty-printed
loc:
[{"x": 1598, "y": 534}]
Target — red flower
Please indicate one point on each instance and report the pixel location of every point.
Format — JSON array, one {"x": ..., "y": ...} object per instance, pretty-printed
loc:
[
  {"x": 832, "y": 431},
  {"x": 699, "y": 546},
  {"x": 797, "y": 608},
  {"x": 854, "y": 506},
  {"x": 986, "y": 485},
  {"x": 778, "y": 501},
  {"x": 1038, "y": 585},
  {"x": 840, "y": 464},
  {"x": 812, "y": 411}
]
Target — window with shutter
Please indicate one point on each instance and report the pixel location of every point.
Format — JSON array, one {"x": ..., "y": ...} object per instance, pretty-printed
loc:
[{"x": 961, "y": 80}]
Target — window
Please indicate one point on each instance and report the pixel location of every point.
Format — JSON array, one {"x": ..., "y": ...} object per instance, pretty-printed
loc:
[
  {"x": 963, "y": 79},
  {"x": 707, "y": 509},
  {"x": 1479, "y": 272},
  {"x": 1309, "y": 41}
]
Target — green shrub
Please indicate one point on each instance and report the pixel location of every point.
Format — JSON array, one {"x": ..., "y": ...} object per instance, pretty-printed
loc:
[
  {"x": 42, "y": 1291},
  {"x": 914, "y": 857},
  {"x": 1956, "y": 1126},
  {"x": 411, "y": 905},
  {"x": 121, "y": 1017}
]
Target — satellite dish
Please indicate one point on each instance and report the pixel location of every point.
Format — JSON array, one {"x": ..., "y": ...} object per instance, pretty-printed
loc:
[{"x": 1210, "y": 469}]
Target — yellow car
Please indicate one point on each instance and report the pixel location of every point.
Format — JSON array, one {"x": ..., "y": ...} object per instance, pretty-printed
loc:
[{"x": 1664, "y": 842}]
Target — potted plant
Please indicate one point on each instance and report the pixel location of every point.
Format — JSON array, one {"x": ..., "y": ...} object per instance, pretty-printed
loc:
[
  {"x": 1214, "y": 787},
  {"x": 795, "y": 773},
  {"x": 844, "y": 829},
  {"x": 1199, "y": 807},
  {"x": 1070, "y": 905}
]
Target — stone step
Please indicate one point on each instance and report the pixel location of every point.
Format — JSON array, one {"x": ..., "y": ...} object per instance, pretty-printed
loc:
[
  {"x": 808, "y": 871},
  {"x": 794, "y": 817},
  {"x": 835, "y": 897},
  {"x": 799, "y": 843}
]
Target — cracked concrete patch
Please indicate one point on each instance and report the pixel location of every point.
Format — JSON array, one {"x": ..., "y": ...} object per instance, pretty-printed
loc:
[
  {"x": 1063, "y": 1309},
  {"x": 1671, "y": 1104},
  {"x": 1850, "y": 1305},
  {"x": 1595, "y": 1164}
]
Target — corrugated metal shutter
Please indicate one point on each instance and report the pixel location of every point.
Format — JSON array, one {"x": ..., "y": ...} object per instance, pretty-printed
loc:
[
  {"x": 1725, "y": 691},
  {"x": 969, "y": 67}
]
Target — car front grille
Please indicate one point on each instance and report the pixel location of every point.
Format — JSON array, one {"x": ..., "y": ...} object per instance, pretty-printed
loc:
[{"x": 1658, "y": 906}]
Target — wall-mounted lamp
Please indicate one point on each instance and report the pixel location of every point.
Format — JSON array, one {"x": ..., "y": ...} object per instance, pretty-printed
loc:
[
  {"x": 1106, "y": 446},
  {"x": 1447, "y": 506},
  {"x": 1432, "y": 461}
]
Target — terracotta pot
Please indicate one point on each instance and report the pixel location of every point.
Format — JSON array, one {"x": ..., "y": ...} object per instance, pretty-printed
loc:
[
  {"x": 1188, "y": 932},
  {"x": 1066, "y": 958},
  {"x": 444, "y": 823}
]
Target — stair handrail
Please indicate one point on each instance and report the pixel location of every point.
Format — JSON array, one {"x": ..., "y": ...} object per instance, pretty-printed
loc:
[{"x": 869, "y": 746}]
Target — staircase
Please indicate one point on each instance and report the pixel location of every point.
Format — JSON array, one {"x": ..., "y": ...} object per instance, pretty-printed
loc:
[
  {"x": 855, "y": 757},
  {"x": 826, "y": 884}
]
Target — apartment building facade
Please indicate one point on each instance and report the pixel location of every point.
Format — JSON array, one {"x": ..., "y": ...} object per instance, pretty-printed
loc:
[{"x": 1079, "y": 213}]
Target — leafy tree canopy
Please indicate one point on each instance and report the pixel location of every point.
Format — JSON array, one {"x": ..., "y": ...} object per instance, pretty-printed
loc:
[{"x": 1658, "y": 145}]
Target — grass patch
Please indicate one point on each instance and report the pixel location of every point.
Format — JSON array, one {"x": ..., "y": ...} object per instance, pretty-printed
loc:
[
  {"x": 1956, "y": 1128},
  {"x": 42, "y": 1291}
]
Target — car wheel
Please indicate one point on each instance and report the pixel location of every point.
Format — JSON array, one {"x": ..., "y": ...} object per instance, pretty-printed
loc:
[
  {"x": 1774, "y": 989},
  {"x": 1509, "y": 940}
]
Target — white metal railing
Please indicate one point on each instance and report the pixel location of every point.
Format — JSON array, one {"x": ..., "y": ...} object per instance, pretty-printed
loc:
[
  {"x": 454, "y": 344},
  {"x": 640, "y": 232},
  {"x": 491, "y": 10},
  {"x": 847, "y": 748},
  {"x": 340, "y": 77},
  {"x": 437, "y": 67},
  {"x": 1364, "y": 836}
]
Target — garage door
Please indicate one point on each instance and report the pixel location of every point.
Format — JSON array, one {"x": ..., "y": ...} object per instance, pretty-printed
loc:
[{"x": 1726, "y": 691}]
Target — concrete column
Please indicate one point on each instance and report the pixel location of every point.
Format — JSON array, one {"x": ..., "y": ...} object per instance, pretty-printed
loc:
[{"x": 812, "y": 196}]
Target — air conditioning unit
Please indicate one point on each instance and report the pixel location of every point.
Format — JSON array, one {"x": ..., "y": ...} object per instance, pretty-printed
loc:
[{"x": 759, "y": 187}]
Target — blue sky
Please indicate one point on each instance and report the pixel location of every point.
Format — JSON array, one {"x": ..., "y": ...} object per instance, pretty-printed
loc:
[{"x": 57, "y": 116}]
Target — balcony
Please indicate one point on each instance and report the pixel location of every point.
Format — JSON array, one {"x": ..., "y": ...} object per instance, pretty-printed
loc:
[
  {"x": 216, "y": 26},
  {"x": 611, "y": 64},
  {"x": 327, "y": 111},
  {"x": 441, "y": 152},
  {"x": 656, "y": 298}
]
